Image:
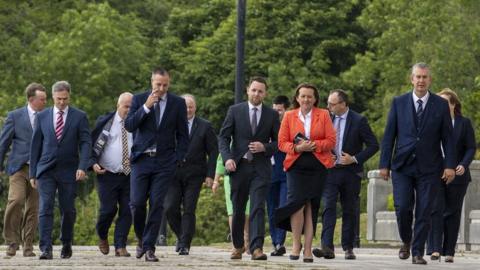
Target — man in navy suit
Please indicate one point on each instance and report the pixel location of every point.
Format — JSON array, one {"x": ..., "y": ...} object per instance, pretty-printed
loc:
[
  {"x": 198, "y": 168},
  {"x": 356, "y": 143},
  {"x": 111, "y": 162},
  {"x": 59, "y": 157},
  {"x": 158, "y": 121},
  {"x": 419, "y": 129},
  {"x": 277, "y": 194},
  {"x": 247, "y": 141},
  {"x": 19, "y": 228}
]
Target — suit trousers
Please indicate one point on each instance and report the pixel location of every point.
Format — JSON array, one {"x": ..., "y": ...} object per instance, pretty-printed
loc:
[
  {"x": 19, "y": 226},
  {"x": 414, "y": 190},
  {"x": 245, "y": 182},
  {"x": 446, "y": 216},
  {"x": 114, "y": 195},
  {"x": 150, "y": 180},
  {"x": 183, "y": 194},
  {"x": 277, "y": 197},
  {"x": 347, "y": 184},
  {"x": 48, "y": 185}
]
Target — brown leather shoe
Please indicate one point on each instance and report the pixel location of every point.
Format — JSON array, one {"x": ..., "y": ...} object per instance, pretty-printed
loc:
[
  {"x": 237, "y": 253},
  {"x": 104, "y": 246},
  {"x": 12, "y": 249},
  {"x": 259, "y": 255},
  {"x": 28, "y": 253},
  {"x": 121, "y": 252},
  {"x": 404, "y": 252},
  {"x": 418, "y": 260}
]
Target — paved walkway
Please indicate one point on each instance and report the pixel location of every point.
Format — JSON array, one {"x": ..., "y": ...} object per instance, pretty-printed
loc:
[{"x": 218, "y": 258}]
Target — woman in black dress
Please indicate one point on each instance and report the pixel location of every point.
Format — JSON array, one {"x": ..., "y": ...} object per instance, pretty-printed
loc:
[{"x": 307, "y": 137}]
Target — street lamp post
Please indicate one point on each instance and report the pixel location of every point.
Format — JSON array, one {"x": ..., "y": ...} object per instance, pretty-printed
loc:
[{"x": 240, "y": 51}]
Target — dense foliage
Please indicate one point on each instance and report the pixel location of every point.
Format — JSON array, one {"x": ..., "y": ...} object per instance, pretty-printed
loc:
[{"x": 106, "y": 47}]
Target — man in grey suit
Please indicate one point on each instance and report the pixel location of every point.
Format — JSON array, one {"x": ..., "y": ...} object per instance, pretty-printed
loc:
[
  {"x": 252, "y": 129},
  {"x": 19, "y": 225},
  {"x": 59, "y": 157}
]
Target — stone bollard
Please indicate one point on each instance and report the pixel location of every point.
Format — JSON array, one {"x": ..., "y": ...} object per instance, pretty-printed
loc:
[{"x": 377, "y": 194}]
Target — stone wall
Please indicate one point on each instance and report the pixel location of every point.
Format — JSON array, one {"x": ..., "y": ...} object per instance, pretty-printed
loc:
[{"x": 382, "y": 225}]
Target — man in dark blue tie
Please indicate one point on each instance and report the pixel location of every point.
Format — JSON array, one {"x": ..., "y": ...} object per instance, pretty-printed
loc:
[
  {"x": 59, "y": 156},
  {"x": 158, "y": 121},
  {"x": 21, "y": 212},
  {"x": 418, "y": 148}
]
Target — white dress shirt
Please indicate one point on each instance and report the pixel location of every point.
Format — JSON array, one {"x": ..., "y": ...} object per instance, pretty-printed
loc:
[
  {"x": 31, "y": 115},
  {"x": 307, "y": 122},
  {"x": 55, "y": 115},
  {"x": 111, "y": 158}
]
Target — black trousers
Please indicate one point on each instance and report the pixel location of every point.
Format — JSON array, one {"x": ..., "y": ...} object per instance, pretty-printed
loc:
[
  {"x": 245, "y": 182},
  {"x": 114, "y": 194},
  {"x": 183, "y": 195}
]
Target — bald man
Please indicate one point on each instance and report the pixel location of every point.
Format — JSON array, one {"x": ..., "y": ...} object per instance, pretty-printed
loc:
[
  {"x": 197, "y": 167},
  {"x": 110, "y": 159}
]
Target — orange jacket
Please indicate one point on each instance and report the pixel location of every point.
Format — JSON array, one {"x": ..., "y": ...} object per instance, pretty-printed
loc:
[{"x": 321, "y": 131}]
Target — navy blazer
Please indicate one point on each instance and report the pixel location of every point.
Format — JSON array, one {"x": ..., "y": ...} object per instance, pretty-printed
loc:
[
  {"x": 236, "y": 129},
  {"x": 422, "y": 146},
  {"x": 203, "y": 144},
  {"x": 16, "y": 132},
  {"x": 464, "y": 137},
  {"x": 171, "y": 137},
  {"x": 358, "y": 133},
  {"x": 68, "y": 155}
]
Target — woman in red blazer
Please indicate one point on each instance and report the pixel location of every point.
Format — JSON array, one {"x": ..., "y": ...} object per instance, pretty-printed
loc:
[{"x": 308, "y": 137}]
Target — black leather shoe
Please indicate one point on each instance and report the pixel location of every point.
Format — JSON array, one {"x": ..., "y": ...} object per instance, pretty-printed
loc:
[
  {"x": 183, "y": 251},
  {"x": 418, "y": 260},
  {"x": 177, "y": 246},
  {"x": 66, "y": 252},
  {"x": 328, "y": 253},
  {"x": 308, "y": 260},
  {"x": 349, "y": 255},
  {"x": 150, "y": 256},
  {"x": 404, "y": 252},
  {"x": 139, "y": 250},
  {"x": 46, "y": 255},
  {"x": 294, "y": 257},
  {"x": 278, "y": 251},
  {"x": 317, "y": 252}
]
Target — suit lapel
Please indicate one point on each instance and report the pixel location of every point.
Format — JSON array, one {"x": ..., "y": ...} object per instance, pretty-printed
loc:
[
  {"x": 246, "y": 112},
  {"x": 166, "y": 112},
  {"x": 194, "y": 127},
  {"x": 457, "y": 128},
  {"x": 262, "y": 119},
  {"x": 68, "y": 121},
  {"x": 348, "y": 123},
  {"x": 50, "y": 119},
  {"x": 26, "y": 119}
]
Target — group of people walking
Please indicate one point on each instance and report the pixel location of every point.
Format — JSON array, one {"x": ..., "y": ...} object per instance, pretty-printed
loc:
[{"x": 154, "y": 149}]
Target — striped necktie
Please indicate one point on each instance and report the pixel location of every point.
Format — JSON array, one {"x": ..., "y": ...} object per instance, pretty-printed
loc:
[{"x": 59, "y": 125}]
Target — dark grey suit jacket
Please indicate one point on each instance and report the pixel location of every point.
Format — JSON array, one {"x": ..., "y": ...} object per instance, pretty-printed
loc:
[
  {"x": 203, "y": 144},
  {"x": 16, "y": 132},
  {"x": 236, "y": 130}
]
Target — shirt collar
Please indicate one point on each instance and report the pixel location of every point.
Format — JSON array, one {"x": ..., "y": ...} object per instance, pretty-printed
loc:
[
  {"x": 309, "y": 114},
  {"x": 344, "y": 115},
  {"x": 30, "y": 110},
  {"x": 424, "y": 98},
  {"x": 117, "y": 118},
  {"x": 251, "y": 106},
  {"x": 55, "y": 110},
  {"x": 191, "y": 120}
]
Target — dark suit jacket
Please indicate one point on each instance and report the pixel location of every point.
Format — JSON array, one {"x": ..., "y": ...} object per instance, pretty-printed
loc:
[
  {"x": 236, "y": 130},
  {"x": 358, "y": 133},
  {"x": 203, "y": 143},
  {"x": 99, "y": 126},
  {"x": 69, "y": 154},
  {"x": 16, "y": 132},
  {"x": 422, "y": 146},
  {"x": 171, "y": 137},
  {"x": 464, "y": 137}
]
